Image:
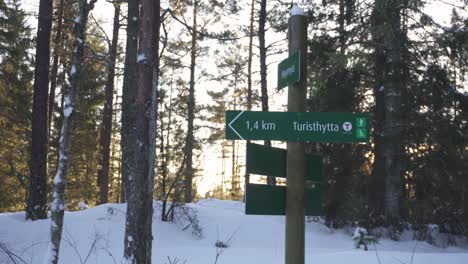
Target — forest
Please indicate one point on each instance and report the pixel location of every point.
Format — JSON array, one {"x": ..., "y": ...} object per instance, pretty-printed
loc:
[{"x": 127, "y": 111}]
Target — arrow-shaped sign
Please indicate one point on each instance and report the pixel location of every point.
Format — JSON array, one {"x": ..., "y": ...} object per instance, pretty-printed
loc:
[
  {"x": 233, "y": 129},
  {"x": 297, "y": 126}
]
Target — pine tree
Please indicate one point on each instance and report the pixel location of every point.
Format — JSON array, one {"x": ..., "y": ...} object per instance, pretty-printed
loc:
[{"x": 15, "y": 102}]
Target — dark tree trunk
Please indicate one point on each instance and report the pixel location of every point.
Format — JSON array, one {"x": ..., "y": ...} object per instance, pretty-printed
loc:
[
  {"x": 377, "y": 185},
  {"x": 249, "y": 73},
  {"x": 263, "y": 69},
  {"x": 71, "y": 97},
  {"x": 106, "y": 127},
  {"x": 390, "y": 41},
  {"x": 54, "y": 70},
  {"x": 138, "y": 230},
  {"x": 129, "y": 95},
  {"x": 37, "y": 200},
  {"x": 189, "y": 142}
]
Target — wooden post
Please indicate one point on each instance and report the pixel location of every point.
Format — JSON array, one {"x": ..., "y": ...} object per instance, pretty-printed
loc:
[{"x": 295, "y": 166}]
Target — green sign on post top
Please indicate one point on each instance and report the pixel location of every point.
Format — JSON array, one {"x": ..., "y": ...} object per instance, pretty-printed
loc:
[
  {"x": 297, "y": 126},
  {"x": 289, "y": 71}
]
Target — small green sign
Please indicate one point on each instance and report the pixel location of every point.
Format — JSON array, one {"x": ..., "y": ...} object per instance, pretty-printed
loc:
[
  {"x": 271, "y": 200},
  {"x": 297, "y": 126},
  {"x": 289, "y": 70},
  {"x": 264, "y": 160}
]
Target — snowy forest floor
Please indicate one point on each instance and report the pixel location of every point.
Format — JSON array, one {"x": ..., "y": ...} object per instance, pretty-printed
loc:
[{"x": 96, "y": 236}]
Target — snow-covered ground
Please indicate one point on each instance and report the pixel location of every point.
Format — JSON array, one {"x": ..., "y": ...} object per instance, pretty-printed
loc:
[{"x": 255, "y": 239}]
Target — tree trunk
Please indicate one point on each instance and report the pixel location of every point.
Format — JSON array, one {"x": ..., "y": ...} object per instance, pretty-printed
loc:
[
  {"x": 138, "y": 229},
  {"x": 57, "y": 54},
  {"x": 189, "y": 142},
  {"x": 377, "y": 185},
  {"x": 129, "y": 95},
  {"x": 249, "y": 75},
  {"x": 37, "y": 200},
  {"x": 60, "y": 179},
  {"x": 263, "y": 70},
  {"x": 106, "y": 127},
  {"x": 388, "y": 13}
]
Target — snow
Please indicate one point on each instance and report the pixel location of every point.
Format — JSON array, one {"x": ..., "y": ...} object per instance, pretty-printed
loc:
[
  {"x": 79, "y": 40},
  {"x": 381, "y": 88},
  {"x": 297, "y": 11},
  {"x": 77, "y": 19},
  {"x": 73, "y": 70},
  {"x": 57, "y": 179},
  {"x": 68, "y": 109},
  {"x": 256, "y": 239},
  {"x": 141, "y": 57}
]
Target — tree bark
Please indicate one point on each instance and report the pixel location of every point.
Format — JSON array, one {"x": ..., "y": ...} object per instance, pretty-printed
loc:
[
  {"x": 37, "y": 200},
  {"x": 129, "y": 95},
  {"x": 138, "y": 229},
  {"x": 106, "y": 127},
  {"x": 263, "y": 70},
  {"x": 71, "y": 97},
  {"x": 189, "y": 142},
  {"x": 388, "y": 12}
]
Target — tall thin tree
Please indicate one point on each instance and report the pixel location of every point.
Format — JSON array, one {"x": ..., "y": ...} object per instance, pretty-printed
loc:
[
  {"x": 37, "y": 200},
  {"x": 71, "y": 97},
  {"x": 249, "y": 71},
  {"x": 55, "y": 63},
  {"x": 189, "y": 141},
  {"x": 263, "y": 69},
  {"x": 106, "y": 127}
]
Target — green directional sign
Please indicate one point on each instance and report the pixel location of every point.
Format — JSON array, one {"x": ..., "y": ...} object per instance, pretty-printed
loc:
[
  {"x": 264, "y": 160},
  {"x": 271, "y": 200},
  {"x": 289, "y": 71},
  {"x": 297, "y": 126}
]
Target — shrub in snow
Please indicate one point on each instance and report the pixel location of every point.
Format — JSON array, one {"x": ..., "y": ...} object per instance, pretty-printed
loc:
[
  {"x": 189, "y": 218},
  {"x": 362, "y": 238}
]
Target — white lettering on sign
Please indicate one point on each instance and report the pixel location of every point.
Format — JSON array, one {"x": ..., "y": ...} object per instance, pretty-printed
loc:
[
  {"x": 316, "y": 127},
  {"x": 288, "y": 71}
]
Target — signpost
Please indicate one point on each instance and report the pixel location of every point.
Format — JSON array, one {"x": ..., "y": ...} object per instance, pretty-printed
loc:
[
  {"x": 288, "y": 70},
  {"x": 297, "y": 126},
  {"x": 301, "y": 196}
]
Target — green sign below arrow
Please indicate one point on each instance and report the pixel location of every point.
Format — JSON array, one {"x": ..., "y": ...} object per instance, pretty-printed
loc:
[
  {"x": 264, "y": 160},
  {"x": 297, "y": 126},
  {"x": 271, "y": 200},
  {"x": 289, "y": 71}
]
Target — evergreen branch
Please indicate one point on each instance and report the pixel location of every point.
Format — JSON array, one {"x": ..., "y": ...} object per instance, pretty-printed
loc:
[
  {"x": 464, "y": 8},
  {"x": 108, "y": 40},
  {"x": 203, "y": 34}
]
